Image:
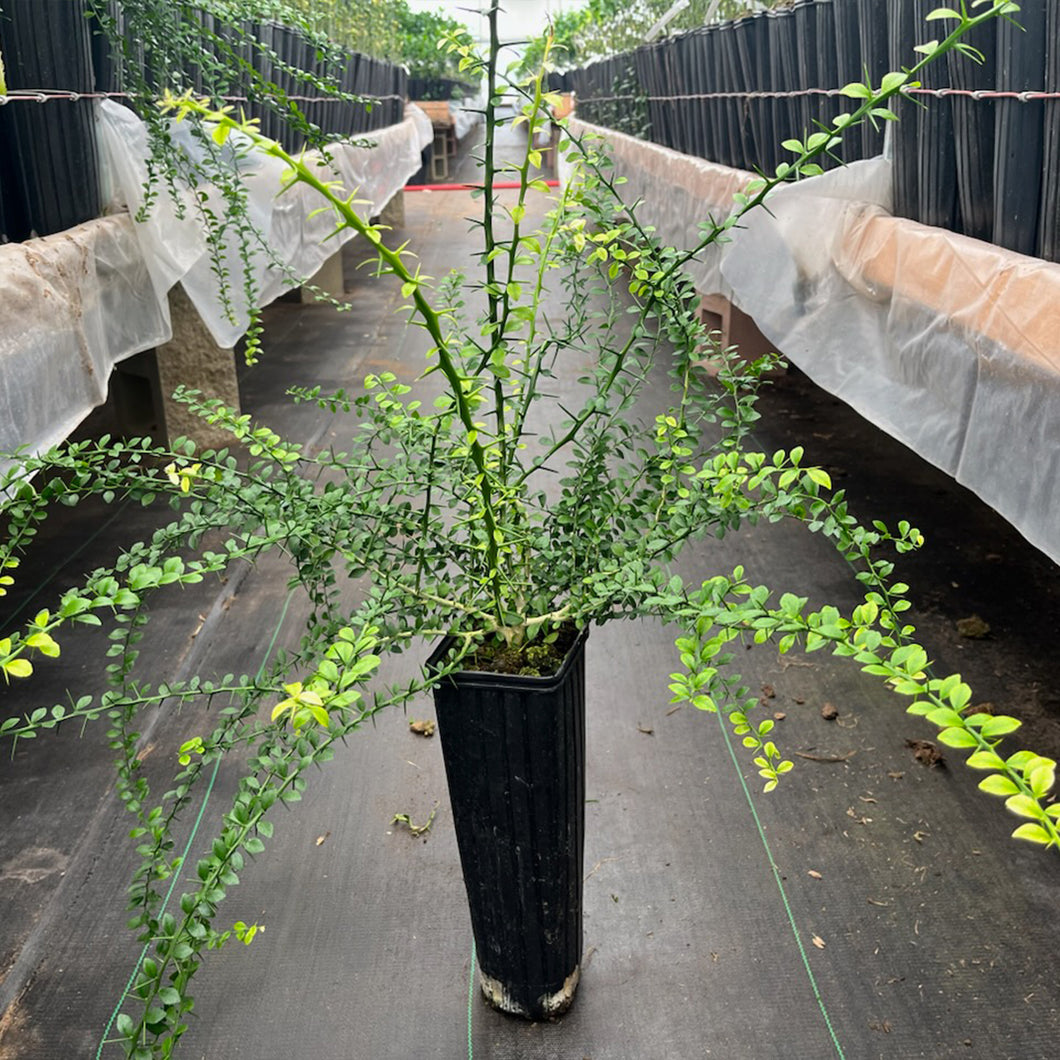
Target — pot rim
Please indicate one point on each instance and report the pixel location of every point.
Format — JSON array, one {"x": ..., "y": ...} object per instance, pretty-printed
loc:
[{"x": 480, "y": 678}]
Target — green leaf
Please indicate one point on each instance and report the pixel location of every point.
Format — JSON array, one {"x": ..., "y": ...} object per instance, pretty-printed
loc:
[
  {"x": 996, "y": 784},
  {"x": 1000, "y": 726},
  {"x": 1035, "y": 833},
  {"x": 856, "y": 90},
  {"x": 1041, "y": 780},
  {"x": 943, "y": 12},
  {"x": 893, "y": 81},
  {"x": 944, "y": 718},
  {"x": 985, "y": 760},
  {"x": 1023, "y": 806},
  {"x": 957, "y": 737}
]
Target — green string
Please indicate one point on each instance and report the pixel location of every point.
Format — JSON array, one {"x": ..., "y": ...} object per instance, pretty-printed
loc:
[
  {"x": 780, "y": 887},
  {"x": 470, "y": 1001},
  {"x": 187, "y": 848}
]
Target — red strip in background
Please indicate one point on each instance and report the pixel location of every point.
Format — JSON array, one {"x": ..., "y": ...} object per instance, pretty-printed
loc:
[{"x": 499, "y": 185}]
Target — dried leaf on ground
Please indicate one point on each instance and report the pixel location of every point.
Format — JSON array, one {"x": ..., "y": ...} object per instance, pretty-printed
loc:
[
  {"x": 926, "y": 753},
  {"x": 973, "y": 627},
  {"x": 829, "y": 712}
]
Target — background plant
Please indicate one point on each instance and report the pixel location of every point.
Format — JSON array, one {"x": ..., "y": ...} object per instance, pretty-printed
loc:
[
  {"x": 473, "y": 516},
  {"x": 606, "y": 27}
]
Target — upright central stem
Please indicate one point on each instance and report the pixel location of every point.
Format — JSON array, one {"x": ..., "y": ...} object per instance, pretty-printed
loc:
[{"x": 495, "y": 321}]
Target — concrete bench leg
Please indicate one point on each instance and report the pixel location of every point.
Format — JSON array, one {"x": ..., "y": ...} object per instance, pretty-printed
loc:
[
  {"x": 735, "y": 328},
  {"x": 393, "y": 214},
  {"x": 329, "y": 279},
  {"x": 194, "y": 359}
]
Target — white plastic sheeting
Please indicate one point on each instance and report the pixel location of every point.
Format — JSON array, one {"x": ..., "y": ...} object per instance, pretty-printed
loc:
[
  {"x": 950, "y": 345},
  {"x": 464, "y": 120},
  {"x": 294, "y": 239},
  {"x": 73, "y": 305}
]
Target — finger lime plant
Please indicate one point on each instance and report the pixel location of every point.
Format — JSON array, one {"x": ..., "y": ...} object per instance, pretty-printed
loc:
[{"x": 491, "y": 522}]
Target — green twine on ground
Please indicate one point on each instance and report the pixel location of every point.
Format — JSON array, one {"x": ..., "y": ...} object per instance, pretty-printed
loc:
[
  {"x": 470, "y": 1002},
  {"x": 780, "y": 887},
  {"x": 187, "y": 848}
]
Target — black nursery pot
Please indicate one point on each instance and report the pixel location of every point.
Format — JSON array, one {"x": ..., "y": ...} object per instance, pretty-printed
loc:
[
  {"x": 1020, "y": 129},
  {"x": 1049, "y": 238},
  {"x": 514, "y": 750},
  {"x": 54, "y": 175},
  {"x": 902, "y": 31},
  {"x": 973, "y": 127},
  {"x": 872, "y": 36},
  {"x": 937, "y": 157}
]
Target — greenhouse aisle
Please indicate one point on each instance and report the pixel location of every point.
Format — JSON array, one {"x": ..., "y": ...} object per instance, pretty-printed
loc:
[{"x": 872, "y": 907}]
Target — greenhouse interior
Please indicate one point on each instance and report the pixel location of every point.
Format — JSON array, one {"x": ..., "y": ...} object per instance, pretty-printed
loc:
[{"x": 530, "y": 529}]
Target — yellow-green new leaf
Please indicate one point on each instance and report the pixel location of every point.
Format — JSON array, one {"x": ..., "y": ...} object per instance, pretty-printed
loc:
[
  {"x": 18, "y": 668},
  {"x": 1024, "y": 806},
  {"x": 998, "y": 785},
  {"x": 1034, "y": 833}
]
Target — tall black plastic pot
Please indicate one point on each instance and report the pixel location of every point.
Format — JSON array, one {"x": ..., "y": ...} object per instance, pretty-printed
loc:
[
  {"x": 783, "y": 71},
  {"x": 872, "y": 35},
  {"x": 54, "y": 171},
  {"x": 973, "y": 128},
  {"x": 263, "y": 60},
  {"x": 1049, "y": 238},
  {"x": 106, "y": 57},
  {"x": 848, "y": 64},
  {"x": 697, "y": 86},
  {"x": 901, "y": 40},
  {"x": 937, "y": 157},
  {"x": 805, "y": 12},
  {"x": 827, "y": 62},
  {"x": 514, "y": 751},
  {"x": 766, "y": 143},
  {"x": 14, "y": 227},
  {"x": 1019, "y": 130},
  {"x": 724, "y": 113}
]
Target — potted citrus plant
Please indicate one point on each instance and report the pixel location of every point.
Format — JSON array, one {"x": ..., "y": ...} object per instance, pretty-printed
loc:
[{"x": 501, "y": 528}]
